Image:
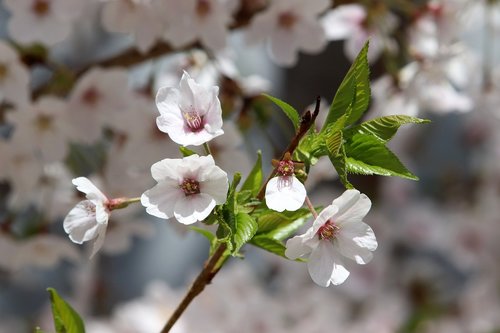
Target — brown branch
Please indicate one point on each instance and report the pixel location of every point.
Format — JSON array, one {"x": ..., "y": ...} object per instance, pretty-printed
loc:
[
  {"x": 205, "y": 277},
  {"x": 306, "y": 121}
]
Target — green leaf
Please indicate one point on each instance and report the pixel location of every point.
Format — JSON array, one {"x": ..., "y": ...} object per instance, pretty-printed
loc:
[
  {"x": 186, "y": 151},
  {"x": 212, "y": 239},
  {"x": 339, "y": 161},
  {"x": 353, "y": 93},
  {"x": 287, "y": 230},
  {"x": 289, "y": 110},
  {"x": 384, "y": 128},
  {"x": 333, "y": 136},
  {"x": 245, "y": 229},
  {"x": 269, "y": 244},
  {"x": 255, "y": 177},
  {"x": 367, "y": 155},
  {"x": 66, "y": 320},
  {"x": 270, "y": 220}
]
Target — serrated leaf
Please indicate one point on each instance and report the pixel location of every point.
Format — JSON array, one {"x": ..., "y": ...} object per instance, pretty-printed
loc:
[
  {"x": 333, "y": 136},
  {"x": 384, "y": 128},
  {"x": 367, "y": 155},
  {"x": 355, "y": 87},
  {"x": 186, "y": 151},
  {"x": 66, "y": 319},
  {"x": 245, "y": 229},
  {"x": 255, "y": 177},
  {"x": 270, "y": 245},
  {"x": 270, "y": 220},
  {"x": 289, "y": 110},
  {"x": 339, "y": 162}
]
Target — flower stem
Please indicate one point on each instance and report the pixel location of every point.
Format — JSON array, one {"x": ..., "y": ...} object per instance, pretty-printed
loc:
[
  {"x": 209, "y": 271},
  {"x": 133, "y": 200},
  {"x": 207, "y": 149},
  {"x": 311, "y": 207}
]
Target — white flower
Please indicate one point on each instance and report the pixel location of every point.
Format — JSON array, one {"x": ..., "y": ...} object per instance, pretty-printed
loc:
[
  {"x": 349, "y": 22},
  {"x": 98, "y": 98},
  {"x": 88, "y": 220},
  {"x": 192, "y": 114},
  {"x": 191, "y": 20},
  {"x": 338, "y": 230},
  {"x": 290, "y": 25},
  {"x": 43, "y": 126},
  {"x": 188, "y": 188},
  {"x": 285, "y": 192},
  {"x": 129, "y": 16},
  {"x": 14, "y": 77},
  {"x": 43, "y": 21}
]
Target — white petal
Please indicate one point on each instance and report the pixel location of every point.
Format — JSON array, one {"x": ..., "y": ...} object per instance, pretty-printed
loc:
[
  {"x": 340, "y": 22},
  {"x": 296, "y": 247},
  {"x": 101, "y": 235},
  {"x": 193, "y": 208},
  {"x": 283, "y": 48},
  {"x": 327, "y": 213},
  {"x": 353, "y": 206},
  {"x": 216, "y": 186},
  {"x": 359, "y": 233},
  {"x": 166, "y": 169},
  {"x": 80, "y": 223},
  {"x": 161, "y": 199},
  {"x": 282, "y": 198},
  {"x": 324, "y": 268},
  {"x": 84, "y": 185},
  {"x": 101, "y": 213}
]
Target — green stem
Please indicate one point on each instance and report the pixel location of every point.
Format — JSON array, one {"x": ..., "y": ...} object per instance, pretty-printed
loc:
[{"x": 207, "y": 149}]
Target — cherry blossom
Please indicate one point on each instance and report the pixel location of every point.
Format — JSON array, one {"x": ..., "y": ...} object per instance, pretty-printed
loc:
[
  {"x": 203, "y": 20},
  {"x": 43, "y": 21},
  {"x": 88, "y": 220},
  {"x": 98, "y": 98},
  {"x": 285, "y": 191},
  {"x": 338, "y": 230},
  {"x": 188, "y": 188},
  {"x": 349, "y": 22},
  {"x": 290, "y": 26},
  {"x": 192, "y": 114},
  {"x": 21, "y": 168},
  {"x": 129, "y": 16},
  {"x": 14, "y": 77},
  {"x": 43, "y": 126}
]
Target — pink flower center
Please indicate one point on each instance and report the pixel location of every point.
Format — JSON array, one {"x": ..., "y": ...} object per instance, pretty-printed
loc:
[
  {"x": 91, "y": 96},
  {"x": 193, "y": 120},
  {"x": 287, "y": 20},
  {"x": 190, "y": 187},
  {"x": 203, "y": 8},
  {"x": 40, "y": 7},
  {"x": 328, "y": 230},
  {"x": 285, "y": 168}
]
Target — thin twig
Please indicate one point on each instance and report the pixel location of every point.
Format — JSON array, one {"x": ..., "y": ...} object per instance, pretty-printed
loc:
[{"x": 205, "y": 277}]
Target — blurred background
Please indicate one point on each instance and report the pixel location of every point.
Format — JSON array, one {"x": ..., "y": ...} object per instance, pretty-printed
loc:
[{"x": 77, "y": 87}]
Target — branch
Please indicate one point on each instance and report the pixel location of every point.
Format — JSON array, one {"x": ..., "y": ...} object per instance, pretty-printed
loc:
[{"x": 205, "y": 277}]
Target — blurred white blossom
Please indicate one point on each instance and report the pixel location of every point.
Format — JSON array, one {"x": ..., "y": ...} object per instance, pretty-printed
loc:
[
  {"x": 42, "y": 21},
  {"x": 289, "y": 26}
]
